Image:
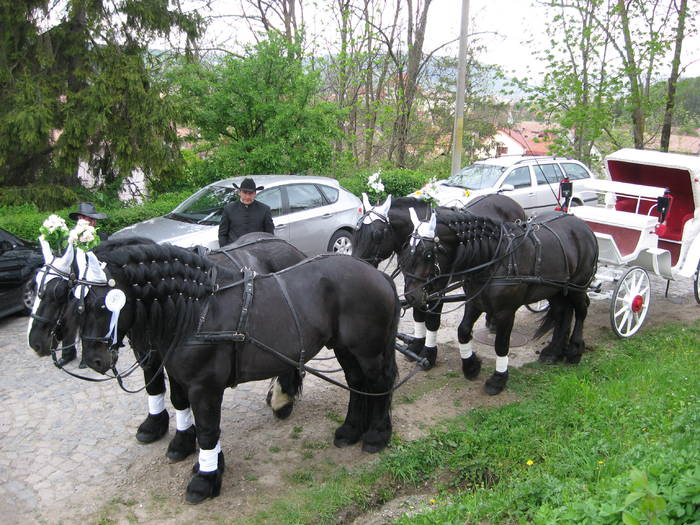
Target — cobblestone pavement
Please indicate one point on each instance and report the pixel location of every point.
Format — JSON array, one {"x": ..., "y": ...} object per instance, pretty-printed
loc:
[{"x": 63, "y": 440}]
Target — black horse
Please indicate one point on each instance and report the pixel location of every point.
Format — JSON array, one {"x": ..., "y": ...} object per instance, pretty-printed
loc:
[
  {"x": 385, "y": 229},
  {"x": 214, "y": 329},
  {"x": 55, "y": 318},
  {"x": 505, "y": 265}
]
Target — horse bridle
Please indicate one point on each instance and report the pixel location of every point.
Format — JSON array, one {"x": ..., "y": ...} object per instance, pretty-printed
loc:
[{"x": 377, "y": 237}]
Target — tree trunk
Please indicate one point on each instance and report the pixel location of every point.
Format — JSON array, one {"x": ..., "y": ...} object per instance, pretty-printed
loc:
[
  {"x": 673, "y": 79},
  {"x": 632, "y": 74}
]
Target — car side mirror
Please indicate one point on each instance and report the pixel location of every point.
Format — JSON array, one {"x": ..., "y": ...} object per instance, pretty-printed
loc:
[
  {"x": 5, "y": 246},
  {"x": 506, "y": 187}
]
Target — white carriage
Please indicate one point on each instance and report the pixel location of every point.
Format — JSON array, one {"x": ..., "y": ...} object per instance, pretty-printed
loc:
[{"x": 647, "y": 220}]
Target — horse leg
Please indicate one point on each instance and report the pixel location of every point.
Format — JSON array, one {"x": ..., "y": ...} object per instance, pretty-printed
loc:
[
  {"x": 471, "y": 364},
  {"x": 209, "y": 470},
  {"x": 155, "y": 426},
  {"x": 280, "y": 397},
  {"x": 184, "y": 442},
  {"x": 576, "y": 346},
  {"x": 416, "y": 346},
  {"x": 353, "y": 427},
  {"x": 559, "y": 316},
  {"x": 504, "y": 325},
  {"x": 380, "y": 375},
  {"x": 432, "y": 324}
]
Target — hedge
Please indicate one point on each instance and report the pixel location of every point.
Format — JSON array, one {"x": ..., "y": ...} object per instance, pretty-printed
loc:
[{"x": 25, "y": 220}]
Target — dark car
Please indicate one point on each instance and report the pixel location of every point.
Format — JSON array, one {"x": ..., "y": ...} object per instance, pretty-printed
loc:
[{"x": 19, "y": 260}]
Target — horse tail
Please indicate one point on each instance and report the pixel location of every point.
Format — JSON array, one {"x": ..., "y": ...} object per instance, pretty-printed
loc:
[
  {"x": 546, "y": 324},
  {"x": 556, "y": 313}
]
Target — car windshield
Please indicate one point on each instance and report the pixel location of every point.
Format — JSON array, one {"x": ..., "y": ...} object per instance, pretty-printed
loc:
[
  {"x": 476, "y": 177},
  {"x": 204, "y": 207}
]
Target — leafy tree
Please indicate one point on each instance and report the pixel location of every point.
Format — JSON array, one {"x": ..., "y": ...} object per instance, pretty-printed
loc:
[
  {"x": 76, "y": 84},
  {"x": 259, "y": 113}
]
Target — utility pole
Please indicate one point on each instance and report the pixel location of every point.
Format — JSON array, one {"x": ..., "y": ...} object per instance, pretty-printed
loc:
[{"x": 458, "y": 130}]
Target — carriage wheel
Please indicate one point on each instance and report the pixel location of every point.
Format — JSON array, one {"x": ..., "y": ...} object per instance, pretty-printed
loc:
[
  {"x": 630, "y": 302},
  {"x": 696, "y": 284},
  {"x": 538, "y": 306}
]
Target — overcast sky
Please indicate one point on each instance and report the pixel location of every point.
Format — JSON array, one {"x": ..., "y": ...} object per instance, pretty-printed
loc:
[{"x": 504, "y": 26}]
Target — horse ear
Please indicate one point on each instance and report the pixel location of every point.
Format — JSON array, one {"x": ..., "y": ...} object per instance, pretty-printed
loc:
[
  {"x": 65, "y": 262},
  {"x": 94, "y": 272},
  {"x": 433, "y": 223},
  {"x": 365, "y": 202},
  {"x": 384, "y": 208},
  {"x": 414, "y": 217},
  {"x": 46, "y": 250}
]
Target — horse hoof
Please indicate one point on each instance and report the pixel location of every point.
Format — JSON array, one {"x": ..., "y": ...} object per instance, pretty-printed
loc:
[
  {"x": 284, "y": 412},
  {"x": 471, "y": 367},
  {"x": 153, "y": 427},
  {"x": 202, "y": 486},
  {"x": 374, "y": 441},
  {"x": 415, "y": 346},
  {"x": 429, "y": 353},
  {"x": 573, "y": 359},
  {"x": 220, "y": 464},
  {"x": 496, "y": 383},
  {"x": 548, "y": 359},
  {"x": 182, "y": 445},
  {"x": 346, "y": 436}
]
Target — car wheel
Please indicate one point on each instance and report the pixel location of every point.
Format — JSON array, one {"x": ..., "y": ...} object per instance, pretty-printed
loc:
[
  {"x": 28, "y": 296},
  {"x": 341, "y": 242}
]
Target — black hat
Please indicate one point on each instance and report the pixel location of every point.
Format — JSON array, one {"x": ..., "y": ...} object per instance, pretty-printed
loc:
[
  {"x": 88, "y": 210},
  {"x": 248, "y": 184}
]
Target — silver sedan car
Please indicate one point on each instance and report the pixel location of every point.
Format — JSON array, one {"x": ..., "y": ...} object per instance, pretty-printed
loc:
[{"x": 313, "y": 213}]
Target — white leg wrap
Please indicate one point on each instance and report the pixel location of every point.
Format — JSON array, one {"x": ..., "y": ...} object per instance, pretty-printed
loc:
[
  {"x": 430, "y": 339},
  {"x": 502, "y": 364},
  {"x": 418, "y": 330},
  {"x": 156, "y": 404},
  {"x": 208, "y": 459},
  {"x": 465, "y": 350},
  {"x": 183, "y": 418},
  {"x": 279, "y": 398}
]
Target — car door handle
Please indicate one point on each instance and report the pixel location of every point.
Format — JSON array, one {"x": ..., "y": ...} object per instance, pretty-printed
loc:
[
  {"x": 280, "y": 227},
  {"x": 327, "y": 215}
]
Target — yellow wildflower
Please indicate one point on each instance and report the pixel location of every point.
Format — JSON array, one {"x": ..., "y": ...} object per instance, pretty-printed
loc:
[{"x": 530, "y": 462}]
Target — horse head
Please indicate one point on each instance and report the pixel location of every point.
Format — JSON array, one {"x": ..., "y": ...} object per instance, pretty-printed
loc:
[
  {"x": 105, "y": 314},
  {"x": 373, "y": 241},
  {"x": 50, "y": 313},
  {"x": 420, "y": 260},
  {"x": 154, "y": 293}
]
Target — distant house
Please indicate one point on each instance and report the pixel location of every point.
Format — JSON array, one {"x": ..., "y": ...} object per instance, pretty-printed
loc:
[
  {"x": 688, "y": 144},
  {"x": 523, "y": 138}
]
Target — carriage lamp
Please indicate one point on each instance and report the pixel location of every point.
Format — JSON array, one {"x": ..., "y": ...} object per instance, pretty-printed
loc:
[{"x": 566, "y": 191}]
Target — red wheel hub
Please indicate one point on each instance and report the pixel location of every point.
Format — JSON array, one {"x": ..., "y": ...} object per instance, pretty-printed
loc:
[{"x": 637, "y": 303}]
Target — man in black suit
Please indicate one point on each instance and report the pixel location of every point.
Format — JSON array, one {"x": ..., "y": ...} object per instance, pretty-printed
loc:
[{"x": 245, "y": 215}]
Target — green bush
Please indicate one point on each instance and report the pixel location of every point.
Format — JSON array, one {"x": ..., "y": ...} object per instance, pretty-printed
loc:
[
  {"x": 43, "y": 196},
  {"x": 398, "y": 182},
  {"x": 24, "y": 221}
]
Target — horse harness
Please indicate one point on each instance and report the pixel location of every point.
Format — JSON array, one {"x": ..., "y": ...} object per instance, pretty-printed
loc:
[
  {"x": 241, "y": 335},
  {"x": 508, "y": 257}
]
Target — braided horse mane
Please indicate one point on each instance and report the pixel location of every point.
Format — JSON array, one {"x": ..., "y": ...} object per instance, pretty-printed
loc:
[
  {"x": 167, "y": 287},
  {"x": 477, "y": 238}
]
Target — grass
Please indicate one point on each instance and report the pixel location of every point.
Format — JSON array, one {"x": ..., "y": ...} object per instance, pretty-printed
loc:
[{"x": 614, "y": 439}]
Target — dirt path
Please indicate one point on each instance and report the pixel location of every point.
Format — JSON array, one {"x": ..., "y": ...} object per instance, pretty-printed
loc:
[{"x": 86, "y": 466}]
